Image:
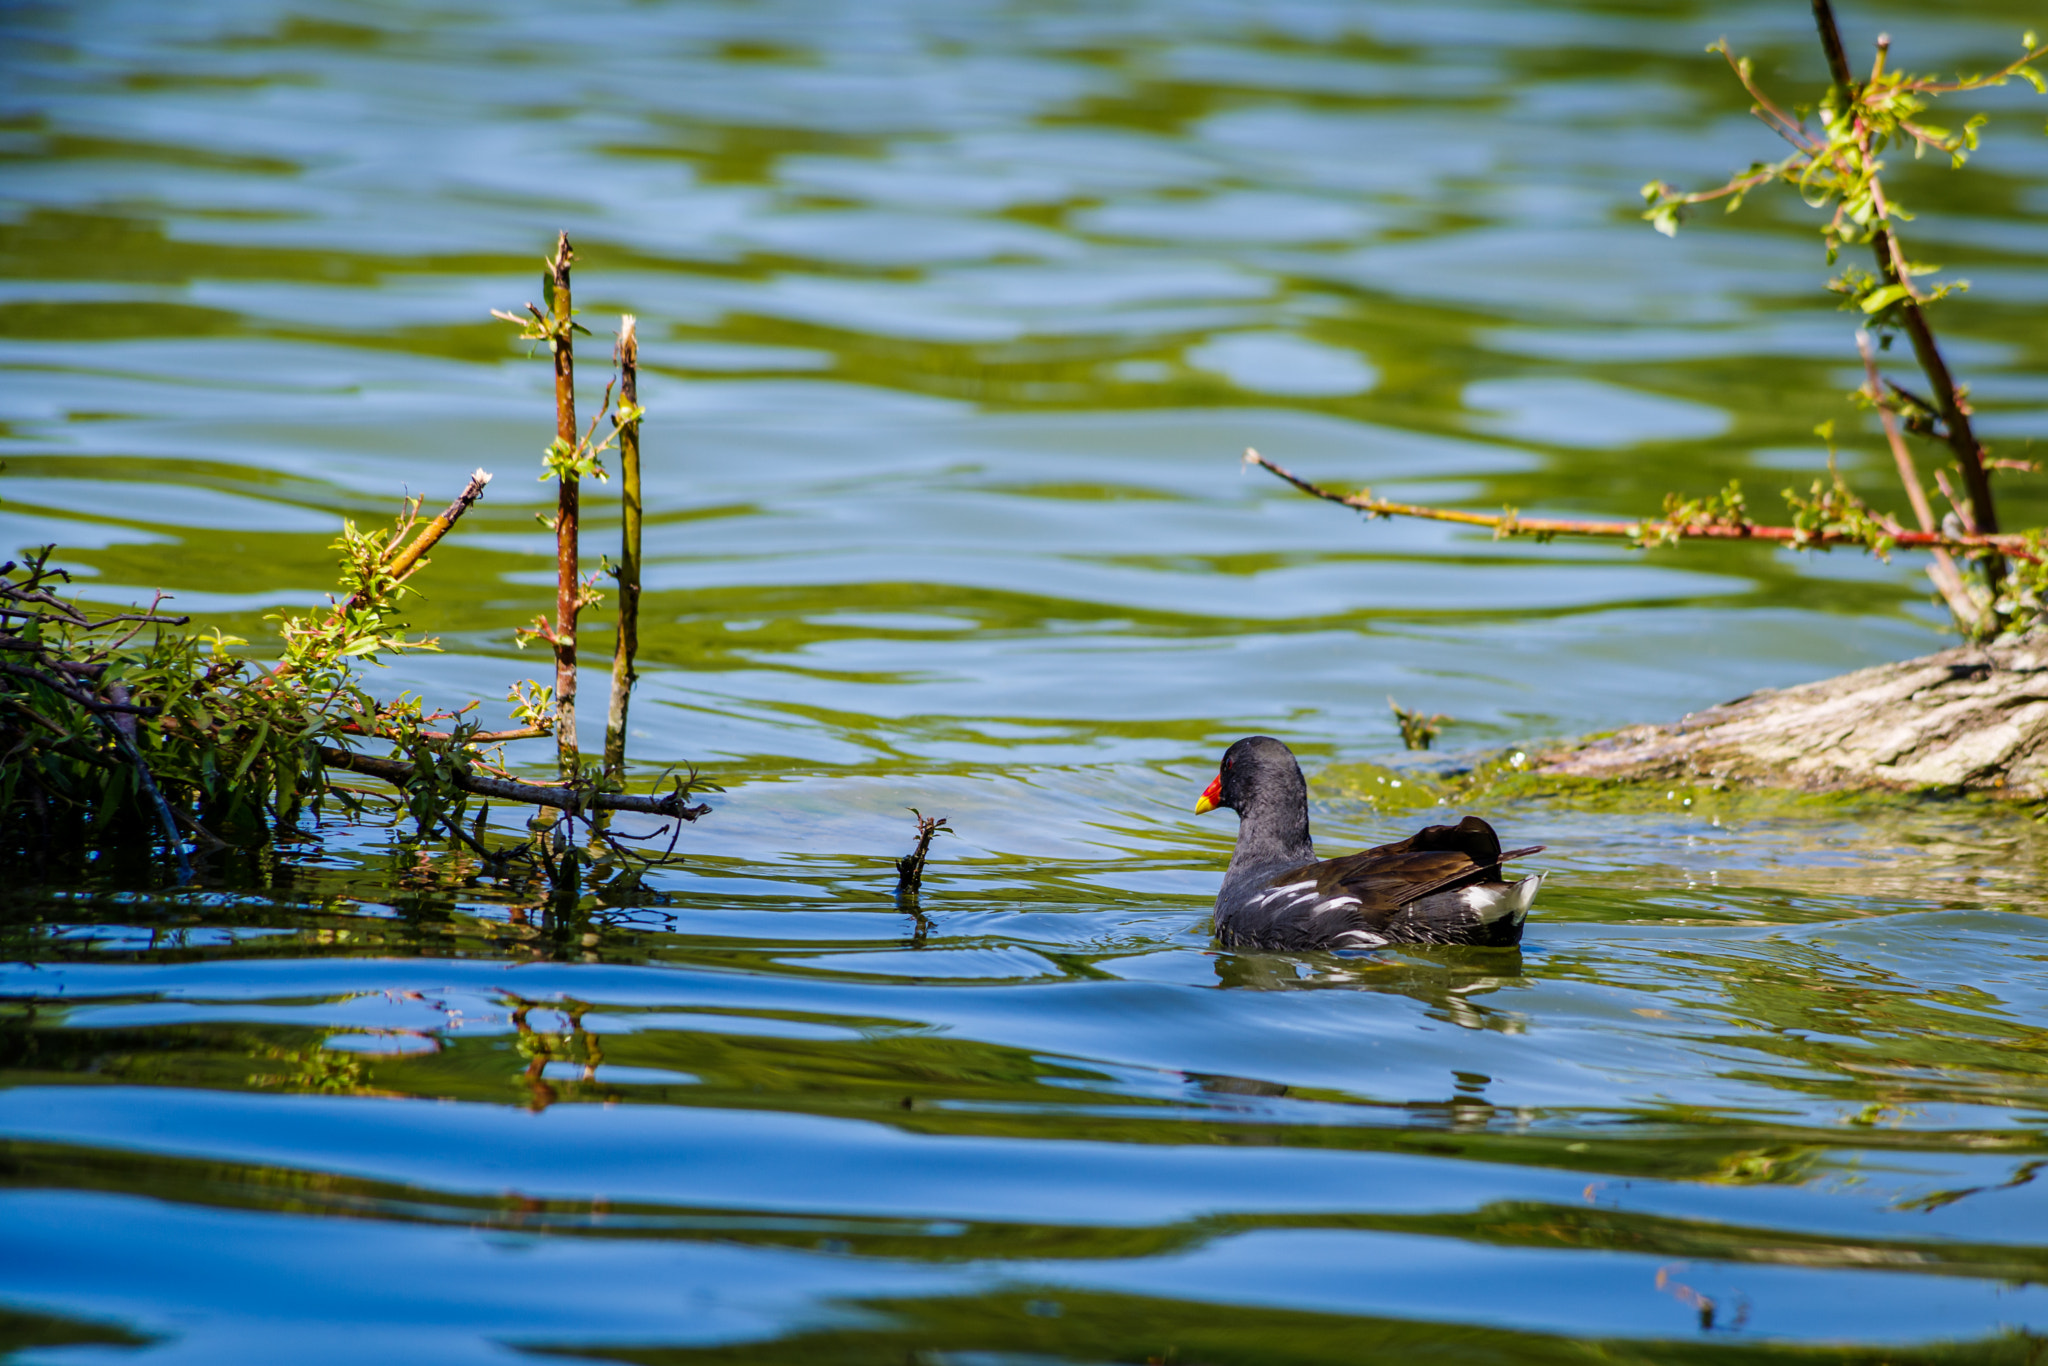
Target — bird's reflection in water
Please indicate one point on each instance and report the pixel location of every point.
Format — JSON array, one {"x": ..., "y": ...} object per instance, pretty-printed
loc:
[
  {"x": 1450, "y": 983},
  {"x": 1445, "y": 979},
  {"x": 1217, "y": 1084}
]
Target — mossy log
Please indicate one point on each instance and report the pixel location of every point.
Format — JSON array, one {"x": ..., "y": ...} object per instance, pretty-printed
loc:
[{"x": 1974, "y": 718}]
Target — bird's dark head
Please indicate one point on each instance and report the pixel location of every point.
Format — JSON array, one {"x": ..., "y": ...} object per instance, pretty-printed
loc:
[{"x": 1257, "y": 772}]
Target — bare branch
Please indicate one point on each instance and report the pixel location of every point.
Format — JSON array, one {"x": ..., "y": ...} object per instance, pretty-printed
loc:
[
  {"x": 400, "y": 772},
  {"x": 1948, "y": 580},
  {"x": 86, "y": 700}
]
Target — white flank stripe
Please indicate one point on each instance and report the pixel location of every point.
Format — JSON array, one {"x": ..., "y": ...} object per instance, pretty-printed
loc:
[{"x": 1290, "y": 890}]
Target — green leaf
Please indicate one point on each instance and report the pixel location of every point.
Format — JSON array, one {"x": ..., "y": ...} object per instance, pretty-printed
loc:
[
  {"x": 1880, "y": 299},
  {"x": 255, "y": 749},
  {"x": 547, "y": 290}
]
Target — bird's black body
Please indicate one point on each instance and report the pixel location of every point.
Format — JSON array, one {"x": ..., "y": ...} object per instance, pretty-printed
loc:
[{"x": 1441, "y": 885}]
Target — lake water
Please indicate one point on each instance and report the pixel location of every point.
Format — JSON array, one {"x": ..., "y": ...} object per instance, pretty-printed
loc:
[{"x": 958, "y": 317}]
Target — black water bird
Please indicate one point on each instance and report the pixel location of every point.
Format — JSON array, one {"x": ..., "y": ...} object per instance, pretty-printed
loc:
[{"x": 1441, "y": 885}]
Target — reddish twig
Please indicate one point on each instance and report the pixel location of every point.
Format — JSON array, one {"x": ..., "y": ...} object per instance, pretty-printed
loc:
[
  {"x": 1511, "y": 523},
  {"x": 568, "y": 591}
]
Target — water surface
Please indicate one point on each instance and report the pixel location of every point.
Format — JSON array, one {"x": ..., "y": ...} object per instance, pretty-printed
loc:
[{"x": 957, "y": 319}]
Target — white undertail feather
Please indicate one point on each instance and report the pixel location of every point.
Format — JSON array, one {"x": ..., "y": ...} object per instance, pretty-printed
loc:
[{"x": 1496, "y": 900}]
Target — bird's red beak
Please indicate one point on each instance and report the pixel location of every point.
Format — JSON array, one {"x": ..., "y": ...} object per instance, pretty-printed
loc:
[{"x": 1212, "y": 796}]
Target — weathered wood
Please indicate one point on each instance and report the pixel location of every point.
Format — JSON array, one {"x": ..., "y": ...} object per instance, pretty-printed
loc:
[{"x": 1971, "y": 718}]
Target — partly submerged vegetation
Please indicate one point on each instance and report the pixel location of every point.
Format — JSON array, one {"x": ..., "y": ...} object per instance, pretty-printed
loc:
[{"x": 124, "y": 733}]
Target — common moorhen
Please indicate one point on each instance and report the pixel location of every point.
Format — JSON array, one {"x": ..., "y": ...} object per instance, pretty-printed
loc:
[{"x": 1441, "y": 885}]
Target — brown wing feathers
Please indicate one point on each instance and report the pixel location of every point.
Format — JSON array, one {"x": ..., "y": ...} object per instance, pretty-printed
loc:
[{"x": 1436, "y": 858}]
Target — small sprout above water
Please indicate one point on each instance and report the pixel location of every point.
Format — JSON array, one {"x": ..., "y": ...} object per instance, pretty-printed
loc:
[
  {"x": 1417, "y": 730},
  {"x": 910, "y": 868}
]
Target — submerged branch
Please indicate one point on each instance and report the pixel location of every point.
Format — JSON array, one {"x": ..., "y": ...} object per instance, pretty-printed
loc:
[{"x": 125, "y": 742}]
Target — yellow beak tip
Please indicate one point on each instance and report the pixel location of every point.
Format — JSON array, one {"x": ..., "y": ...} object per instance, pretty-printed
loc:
[{"x": 1204, "y": 806}]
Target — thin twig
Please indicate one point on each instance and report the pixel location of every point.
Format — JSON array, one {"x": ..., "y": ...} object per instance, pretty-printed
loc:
[
  {"x": 86, "y": 700},
  {"x": 146, "y": 618},
  {"x": 1780, "y": 122},
  {"x": 213, "y": 842},
  {"x": 1948, "y": 580},
  {"x": 1932, "y": 414},
  {"x": 627, "y": 642}
]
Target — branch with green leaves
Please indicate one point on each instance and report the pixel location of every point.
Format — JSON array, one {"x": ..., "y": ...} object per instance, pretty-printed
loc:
[
  {"x": 1838, "y": 147},
  {"x": 1830, "y": 515},
  {"x": 121, "y": 732},
  {"x": 1839, "y": 162}
]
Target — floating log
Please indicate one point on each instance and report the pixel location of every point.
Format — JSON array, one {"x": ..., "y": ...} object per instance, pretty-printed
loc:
[{"x": 1974, "y": 718}]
